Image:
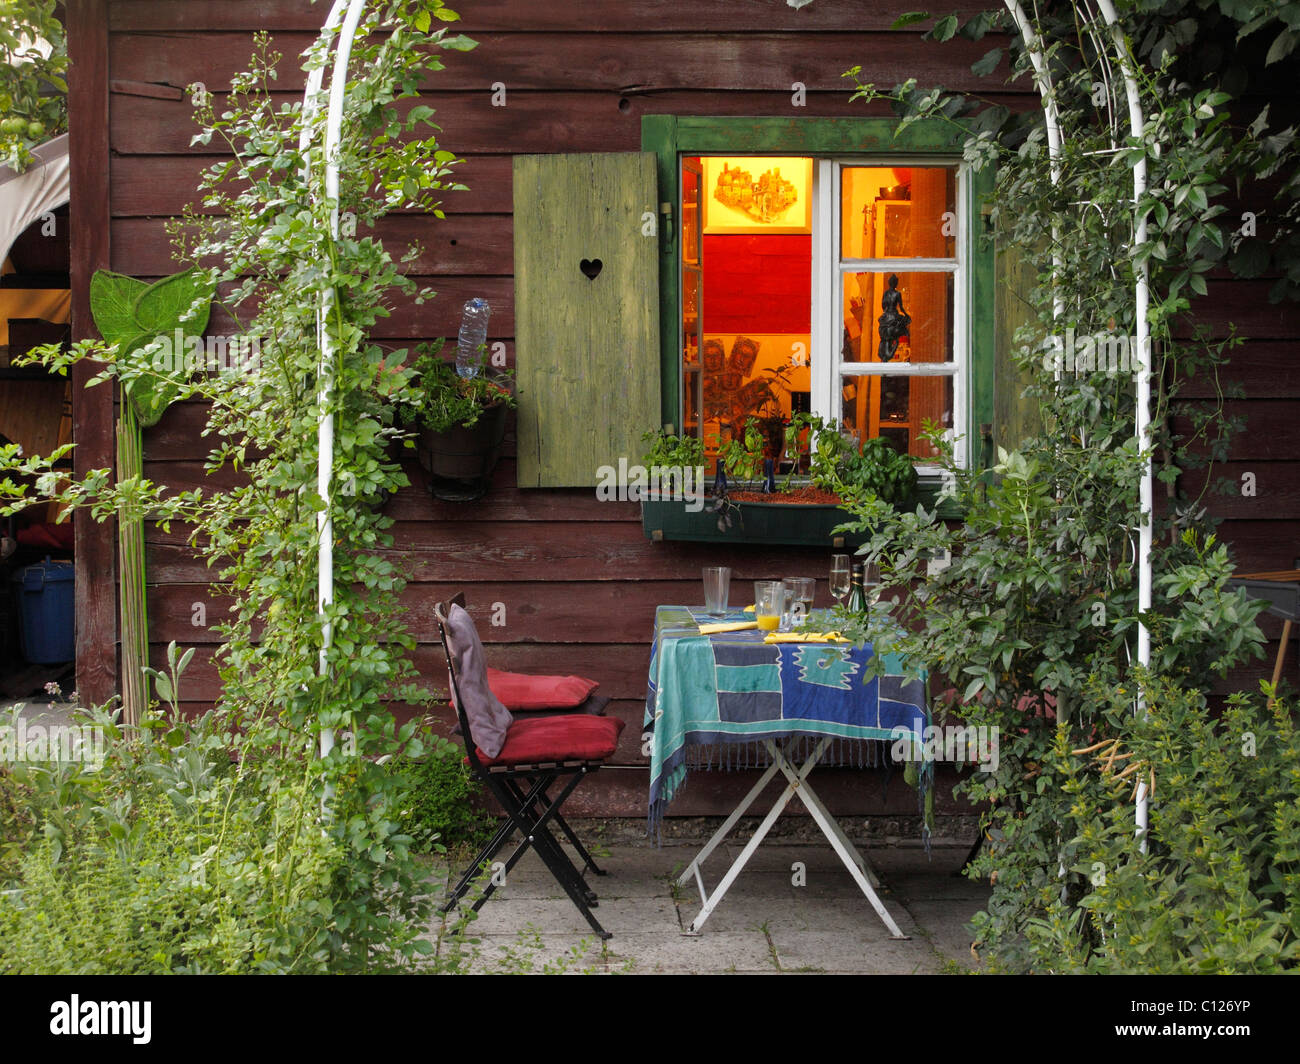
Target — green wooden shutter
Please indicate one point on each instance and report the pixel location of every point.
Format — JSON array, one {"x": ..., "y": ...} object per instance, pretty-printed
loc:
[
  {"x": 586, "y": 347},
  {"x": 1014, "y": 417}
]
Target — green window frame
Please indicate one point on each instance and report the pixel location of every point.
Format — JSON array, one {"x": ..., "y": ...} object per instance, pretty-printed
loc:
[{"x": 672, "y": 137}]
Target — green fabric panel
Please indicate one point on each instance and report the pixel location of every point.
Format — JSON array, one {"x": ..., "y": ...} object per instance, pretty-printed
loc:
[{"x": 738, "y": 678}]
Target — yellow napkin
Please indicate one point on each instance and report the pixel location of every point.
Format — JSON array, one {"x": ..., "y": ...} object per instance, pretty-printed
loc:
[
  {"x": 805, "y": 637},
  {"x": 727, "y": 626}
]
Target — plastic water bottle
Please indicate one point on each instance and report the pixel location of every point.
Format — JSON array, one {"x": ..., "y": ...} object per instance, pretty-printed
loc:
[{"x": 473, "y": 334}]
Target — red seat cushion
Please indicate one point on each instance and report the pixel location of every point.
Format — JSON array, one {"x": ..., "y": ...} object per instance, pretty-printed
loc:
[{"x": 575, "y": 737}]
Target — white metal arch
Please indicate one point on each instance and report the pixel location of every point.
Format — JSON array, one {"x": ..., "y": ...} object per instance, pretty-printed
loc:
[{"x": 345, "y": 15}]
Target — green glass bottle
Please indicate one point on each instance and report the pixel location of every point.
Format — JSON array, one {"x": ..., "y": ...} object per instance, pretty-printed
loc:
[{"x": 857, "y": 599}]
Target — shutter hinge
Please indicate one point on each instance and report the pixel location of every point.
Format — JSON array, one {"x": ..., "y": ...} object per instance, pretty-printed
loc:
[{"x": 666, "y": 227}]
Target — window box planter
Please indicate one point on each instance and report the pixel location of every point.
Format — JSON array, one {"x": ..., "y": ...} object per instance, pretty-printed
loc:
[{"x": 790, "y": 524}]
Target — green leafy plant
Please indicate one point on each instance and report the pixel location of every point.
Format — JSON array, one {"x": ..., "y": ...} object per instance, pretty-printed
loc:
[
  {"x": 33, "y": 92},
  {"x": 742, "y": 455},
  {"x": 442, "y": 807},
  {"x": 287, "y": 690},
  {"x": 668, "y": 450},
  {"x": 1034, "y": 622},
  {"x": 437, "y": 398},
  {"x": 875, "y": 470},
  {"x": 135, "y": 317}
]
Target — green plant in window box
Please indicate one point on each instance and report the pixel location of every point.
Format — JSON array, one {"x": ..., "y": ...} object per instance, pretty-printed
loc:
[
  {"x": 671, "y": 451},
  {"x": 839, "y": 466}
]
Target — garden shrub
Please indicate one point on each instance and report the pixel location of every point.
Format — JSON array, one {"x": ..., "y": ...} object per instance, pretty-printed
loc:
[
  {"x": 1218, "y": 890},
  {"x": 167, "y": 858},
  {"x": 1036, "y": 619},
  {"x": 441, "y": 809},
  {"x": 16, "y": 822},
  {"x": 306, "y": 690}
]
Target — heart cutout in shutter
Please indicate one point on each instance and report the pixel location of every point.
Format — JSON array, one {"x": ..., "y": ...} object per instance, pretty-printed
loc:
[{"x": 590, "y": 268}]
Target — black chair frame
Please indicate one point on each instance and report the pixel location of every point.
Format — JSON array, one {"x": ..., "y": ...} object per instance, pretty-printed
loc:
[{"x": 523, "y": 793}]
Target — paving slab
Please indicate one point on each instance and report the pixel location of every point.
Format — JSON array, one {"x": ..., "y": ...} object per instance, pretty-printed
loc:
[
  {"x": 715, "y": 952},
  {"x": 841, "y": 952},
  {"x": 765, "y": 925}
]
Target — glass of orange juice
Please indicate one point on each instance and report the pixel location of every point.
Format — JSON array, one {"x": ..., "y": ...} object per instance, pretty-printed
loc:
[{"x": 769, "y": 603}]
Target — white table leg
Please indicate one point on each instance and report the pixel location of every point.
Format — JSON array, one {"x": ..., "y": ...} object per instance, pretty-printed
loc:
[
  {"x": 835, "y": 836},
  {"x": 711, "y": 902},
  {"x": 808, "y": 794},
  {"x": 693, "y": 868},
  {"x": 797, "y": 784}
]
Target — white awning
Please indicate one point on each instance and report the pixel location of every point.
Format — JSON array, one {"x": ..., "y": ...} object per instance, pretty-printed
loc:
[{"x": 25, "y": 197}]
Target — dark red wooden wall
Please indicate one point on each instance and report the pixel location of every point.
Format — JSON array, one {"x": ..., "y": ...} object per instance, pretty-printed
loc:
[{"x": 578, "y": 579}]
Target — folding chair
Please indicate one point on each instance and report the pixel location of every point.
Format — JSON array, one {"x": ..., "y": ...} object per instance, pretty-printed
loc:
[{"x": 537, "y": 752}]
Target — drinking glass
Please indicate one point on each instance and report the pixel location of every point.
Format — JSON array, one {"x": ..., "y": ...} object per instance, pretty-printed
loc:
[
  {"x": 871, "y": 582},
  {"x": 841, "y": 575},
  {"x": 798, "y": 601},
  {"x": 717, "y": 585},
  {"x": 791, "y": 584},
  {"x": 769, "y": 603},
  {"x": 806, "y": 591}
]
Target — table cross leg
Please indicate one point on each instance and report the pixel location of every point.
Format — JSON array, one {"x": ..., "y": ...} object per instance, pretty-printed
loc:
[
  {"x": 807, "y": 794},
  {"x": 824, "y": 821},
  {"x": 694, "y": 867},
  {"x": 711, "y": 902}
]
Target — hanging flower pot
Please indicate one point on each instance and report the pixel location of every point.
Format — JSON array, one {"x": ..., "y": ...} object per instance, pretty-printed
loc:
[
  {"x": 460, "y": 460},
  {"x": 459, "y": 422}
]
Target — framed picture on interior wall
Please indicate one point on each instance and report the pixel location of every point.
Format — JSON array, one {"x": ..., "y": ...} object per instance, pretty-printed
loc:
[
  {"x": 744, "y": 353},
  {"x": 756, "y": 194},
  {"x": 714, "y": 356}
]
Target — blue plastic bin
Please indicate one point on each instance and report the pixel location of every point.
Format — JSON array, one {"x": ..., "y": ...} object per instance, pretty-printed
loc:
[{"x": 46, "y": 621}]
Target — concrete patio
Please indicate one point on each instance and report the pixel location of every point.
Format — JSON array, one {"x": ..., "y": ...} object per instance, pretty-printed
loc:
[{"x": 765, "y": 925}]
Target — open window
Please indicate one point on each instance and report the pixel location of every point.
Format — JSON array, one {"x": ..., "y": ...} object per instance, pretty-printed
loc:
[
  {"x": 826, "y": 265},
  {"x": 817, "y": 264},
  {"x": 830, "y": 285}
]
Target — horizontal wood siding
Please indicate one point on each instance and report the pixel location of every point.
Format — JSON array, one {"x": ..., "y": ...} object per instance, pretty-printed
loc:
[{"x": 577, "y": 579}]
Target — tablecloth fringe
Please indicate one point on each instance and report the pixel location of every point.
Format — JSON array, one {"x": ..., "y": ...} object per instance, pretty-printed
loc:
[{"x": 738, "y": 757}]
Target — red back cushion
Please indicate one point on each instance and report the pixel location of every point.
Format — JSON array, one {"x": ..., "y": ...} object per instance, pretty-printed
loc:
[{"x": 519, "y": 691}]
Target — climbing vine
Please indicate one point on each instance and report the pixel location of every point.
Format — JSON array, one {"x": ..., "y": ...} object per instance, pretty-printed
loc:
[
  {"x": 261, "y": 238},
  {"x": 1034, "y": 620}
]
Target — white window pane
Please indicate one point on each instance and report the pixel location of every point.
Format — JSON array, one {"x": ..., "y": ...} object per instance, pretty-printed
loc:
[
  {"x": 910, "y": 320},
  {"x": 896, "y": 407}
]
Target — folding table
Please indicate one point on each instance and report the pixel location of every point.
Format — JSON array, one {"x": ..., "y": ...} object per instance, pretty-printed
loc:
[{"x": 732, "y": 698}]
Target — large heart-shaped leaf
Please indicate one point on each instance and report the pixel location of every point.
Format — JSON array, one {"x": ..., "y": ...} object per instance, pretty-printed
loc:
[
  {"x": 132, "y": 314},
  {"x": 112, "y": 305},
  {"x": 171, "y": 302}
]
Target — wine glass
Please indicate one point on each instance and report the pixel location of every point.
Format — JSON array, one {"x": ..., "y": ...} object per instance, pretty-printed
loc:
[
  {"x": 840, "y": 577},
  {"x": 871, "y": 582}
]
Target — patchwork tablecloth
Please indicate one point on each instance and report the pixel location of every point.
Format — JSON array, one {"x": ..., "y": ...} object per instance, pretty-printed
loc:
[{"x": 713, "y": 700}]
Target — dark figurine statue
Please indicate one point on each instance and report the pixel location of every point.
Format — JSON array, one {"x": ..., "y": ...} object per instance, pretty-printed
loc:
[{"x": 895, "y": 322}]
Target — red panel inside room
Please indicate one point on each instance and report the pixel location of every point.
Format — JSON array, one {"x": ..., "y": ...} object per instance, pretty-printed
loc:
[{"x": 757, "y": 284}]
